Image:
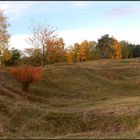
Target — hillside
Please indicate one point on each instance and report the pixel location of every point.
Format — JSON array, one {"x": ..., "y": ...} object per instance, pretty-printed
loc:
[{"x": 95, "y": 99}]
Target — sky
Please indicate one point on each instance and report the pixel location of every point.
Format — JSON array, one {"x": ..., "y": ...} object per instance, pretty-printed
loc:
[{"x": 75, "y": 20}]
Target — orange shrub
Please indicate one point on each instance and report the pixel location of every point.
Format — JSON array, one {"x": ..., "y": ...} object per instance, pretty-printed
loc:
[{"x": 26, "y": 75}]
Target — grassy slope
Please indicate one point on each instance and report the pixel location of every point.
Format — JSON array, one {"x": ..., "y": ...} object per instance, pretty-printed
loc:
[{"x": 98, "y": 99}]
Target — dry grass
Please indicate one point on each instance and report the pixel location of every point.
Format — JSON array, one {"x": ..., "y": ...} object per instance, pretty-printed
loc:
[{"x": 95, "y": 99}]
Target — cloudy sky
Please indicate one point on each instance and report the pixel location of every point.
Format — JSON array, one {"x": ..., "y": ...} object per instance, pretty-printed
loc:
[{"x": 75, "y": 20}]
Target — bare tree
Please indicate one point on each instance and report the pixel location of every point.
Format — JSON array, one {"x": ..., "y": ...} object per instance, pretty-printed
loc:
[{"x": 43, "y": 36}]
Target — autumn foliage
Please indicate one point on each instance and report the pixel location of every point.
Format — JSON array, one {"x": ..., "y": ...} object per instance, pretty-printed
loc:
[
  {"x": 4, "y": 38},
  {"x": 69, "y": 58},
  {"x": 26, "y": 75}
]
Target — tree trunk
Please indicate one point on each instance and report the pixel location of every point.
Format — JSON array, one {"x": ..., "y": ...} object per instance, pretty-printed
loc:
[
  {"x": 25, "y": 87},
  {"x": 44, "y": 62},
  {"x": 44, "y": 59}
]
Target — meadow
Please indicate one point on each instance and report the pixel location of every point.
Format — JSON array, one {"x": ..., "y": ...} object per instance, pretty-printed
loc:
[{"x": 92, "y": 99}]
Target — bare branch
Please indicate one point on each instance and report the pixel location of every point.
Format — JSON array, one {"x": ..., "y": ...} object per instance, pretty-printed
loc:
[{"x": 43, "y": 37}]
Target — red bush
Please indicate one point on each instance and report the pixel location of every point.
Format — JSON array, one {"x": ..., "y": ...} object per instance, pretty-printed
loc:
[{"x": 26, "y": 75}]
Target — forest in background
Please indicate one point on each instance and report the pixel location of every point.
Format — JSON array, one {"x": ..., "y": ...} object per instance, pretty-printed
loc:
[{"x": 48, "y": 47}]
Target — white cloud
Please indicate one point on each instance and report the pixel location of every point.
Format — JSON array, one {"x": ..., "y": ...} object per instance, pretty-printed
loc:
[
  {"x": 122, "y": 11},
  {"x": 131, "y": 35},
  {"x": 16, "y": 8},
  {"x": 69, "y": 36},
  {"x": 78, "y": 35},
  {"x": 18, "y": 41}
]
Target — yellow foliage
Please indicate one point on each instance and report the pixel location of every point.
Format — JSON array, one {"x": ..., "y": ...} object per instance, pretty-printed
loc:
[
  {"x": 83, "y": 51},
  {"x": 69, "y": 58},
  {"x": 117, "y": 49},
  {"x": 6, "y": 55}
]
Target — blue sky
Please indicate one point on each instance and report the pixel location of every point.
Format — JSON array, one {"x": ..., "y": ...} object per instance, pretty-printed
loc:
[{"x": 75, "y": 20}]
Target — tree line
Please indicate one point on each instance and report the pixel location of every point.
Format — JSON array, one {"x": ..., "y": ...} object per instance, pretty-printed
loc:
[{"x": 49, "y": 48}]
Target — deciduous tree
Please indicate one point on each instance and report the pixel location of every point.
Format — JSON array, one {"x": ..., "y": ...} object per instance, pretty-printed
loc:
[
  {"x": 69, "y": 55},
  {"x": 4, "y": 38},
  {"x": 83, "y": 53},
  {"x": 15, "y": 57},
  {"x": 117, "y": 47},
  {"x": 34, "y": 56},
  {"x": 44, "y": 37},
  {"x": 124, "y": 49},
  {"x": 57, "y": 52},
  {"x": 75, "y": 51},
  {"x": 108, "y": 47}
]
